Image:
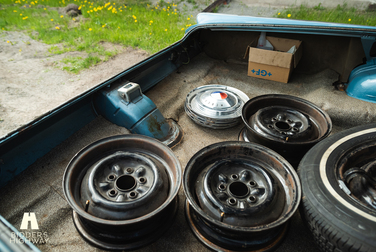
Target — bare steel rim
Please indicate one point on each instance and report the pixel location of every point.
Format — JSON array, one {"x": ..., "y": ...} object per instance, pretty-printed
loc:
[
  {"x": 233, "y": 190},
  {"x": 287, "y": 124},
  {"x": 123, "y": 191}
]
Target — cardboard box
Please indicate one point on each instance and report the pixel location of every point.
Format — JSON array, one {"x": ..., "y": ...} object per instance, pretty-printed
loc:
[{"x": 274, "y": 65}]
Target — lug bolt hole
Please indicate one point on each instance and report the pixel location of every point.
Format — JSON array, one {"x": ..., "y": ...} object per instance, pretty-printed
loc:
[
  {"x": 232, "y": 201},
  {"x": 111, "y": 177},
  {"x": 234, "y": 176},
  {"x": 112, "y": 193},
  {"x": 274, "y": 119},
  {"x": 142, "y": 180},
  {"x": 129, "y": 170},
  {"x": 252, "y": 183},
  {"x": 222, "y": 187},
  {"x": 289, "y": 121},
  {"x": 270, "y": 126},
  {"x": 252, "y": 199},
  {"x": 294, "y": 129},
  {"x": 132, "y": 195}
]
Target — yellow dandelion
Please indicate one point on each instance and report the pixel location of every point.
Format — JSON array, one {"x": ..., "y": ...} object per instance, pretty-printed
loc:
[
  {"x": 25, "y": 17},
  {"x": 61, "y": 16},
  {"x": 20, "y": 50},
  {"x": 73, "y": 19},
  {"x": 91, "y": 10},
  {"x": 188, "y": 18},
  {"x": 90, "y": 29},
  {"x": 109, "y": 8},
  {"x": 135, "y": 20},
  {"x": 288, "y": 15},
  {"x": 88, "y": 11},
  {"x": 165, "y": 29},
  {"x": 182, "y": 29},
  {"x": 134, "y": 16},
  {"x": 80, "y": 7},
  {"x": 52, "y": 19},
  {"x": 279, "y": 13},
  {"x": 8, "y": 41},
  {"x": 57, "y": 28},
  {"x": 349, "y": 19},
  {"x": 44, "y": 8},
  {"x": 149, "y": 33},
  {"x": 14, "y": 11},
  {"x": 21, "y": 14},
  {"x": 118, "y": 27},
  {"x": 103, "y": 25}
]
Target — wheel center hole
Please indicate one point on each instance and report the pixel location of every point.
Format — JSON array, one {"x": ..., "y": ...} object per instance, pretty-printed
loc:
[
  {"x": 238, "y": 189},
  {"x": 282, "y": 125},
  {"x": 125, "y": 183}
]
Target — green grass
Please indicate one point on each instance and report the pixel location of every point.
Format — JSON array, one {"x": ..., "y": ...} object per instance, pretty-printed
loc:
[
  {"x": 139, "y": 24},
  {"x": 341, "y": 14}
]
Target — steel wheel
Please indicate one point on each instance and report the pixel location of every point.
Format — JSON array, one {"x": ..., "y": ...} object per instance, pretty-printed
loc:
[
  {"x": 287, "y": 124},
  {"x": 123, "y": 191},
  {"x": 240, "y": 196}
]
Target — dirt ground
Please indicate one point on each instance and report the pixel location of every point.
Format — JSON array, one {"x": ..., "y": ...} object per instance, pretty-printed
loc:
[{"x": 31, "y": 84}]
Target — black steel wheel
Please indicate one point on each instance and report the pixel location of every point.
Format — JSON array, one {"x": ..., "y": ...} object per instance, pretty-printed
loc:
[
  {"x": 288, "y": 125},
  {"x": 123, "y": 191},
  {"x": 240, "y": 196},
  {"x": 338, "y": 178}
]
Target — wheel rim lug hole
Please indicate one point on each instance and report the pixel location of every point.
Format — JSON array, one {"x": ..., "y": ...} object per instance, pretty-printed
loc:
[
  {"x": 112, "y": 193},
  {"x": 111, "y": 177},
  {"x": 289, "y": 121},
  {"x": 142, "y": 180},
  {"x": 232, "y": 201},
  {"x": 133, "y": 195},
  {"x": 129, "y": 170},
  {"x": 234, "y": 176},
  {"x": 252, "y": 183},
  {"x": 270, "y": 126},
  {"x": 252, "y": 199},
  {"x": 222, "y": 187},
  {"x": 274, "y": 119}
]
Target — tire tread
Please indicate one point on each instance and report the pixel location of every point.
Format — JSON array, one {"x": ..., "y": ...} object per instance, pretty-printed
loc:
[{"x": 326, "y": 236}]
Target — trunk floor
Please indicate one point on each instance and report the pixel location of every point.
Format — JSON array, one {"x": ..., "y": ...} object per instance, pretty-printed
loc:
[{"x": 39, "y": 188}]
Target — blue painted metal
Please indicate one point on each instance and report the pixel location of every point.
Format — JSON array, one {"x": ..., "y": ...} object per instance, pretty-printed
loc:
[
  {"x": 362, "y": 82},
  {"x": 275, "y": 23},
  {"x": 137, "y": 113},
  {"x": 11, "y": 240},
  {"x": 36, "y": 139}
]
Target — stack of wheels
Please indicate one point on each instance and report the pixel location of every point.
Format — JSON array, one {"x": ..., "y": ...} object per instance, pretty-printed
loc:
[
  {"x": 240, "y": 196},
  {"x": 338, "y": 177},
  {"x": 123, "y": 191},
  {"x": 286, "y": 124}
]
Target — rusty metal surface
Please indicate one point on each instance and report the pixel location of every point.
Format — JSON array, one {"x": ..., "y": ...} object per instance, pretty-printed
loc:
[
  {"x": 123, "y": 191},
  {"x": 241, "y": 196},
  {"x": 287, "y": 124}
]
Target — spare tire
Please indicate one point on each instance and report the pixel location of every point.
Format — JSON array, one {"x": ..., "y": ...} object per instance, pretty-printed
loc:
[{"x": 338, "y": 177}]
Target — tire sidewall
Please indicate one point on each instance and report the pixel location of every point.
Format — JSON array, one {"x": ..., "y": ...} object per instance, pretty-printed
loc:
[{"x": 321, "y": 189}]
